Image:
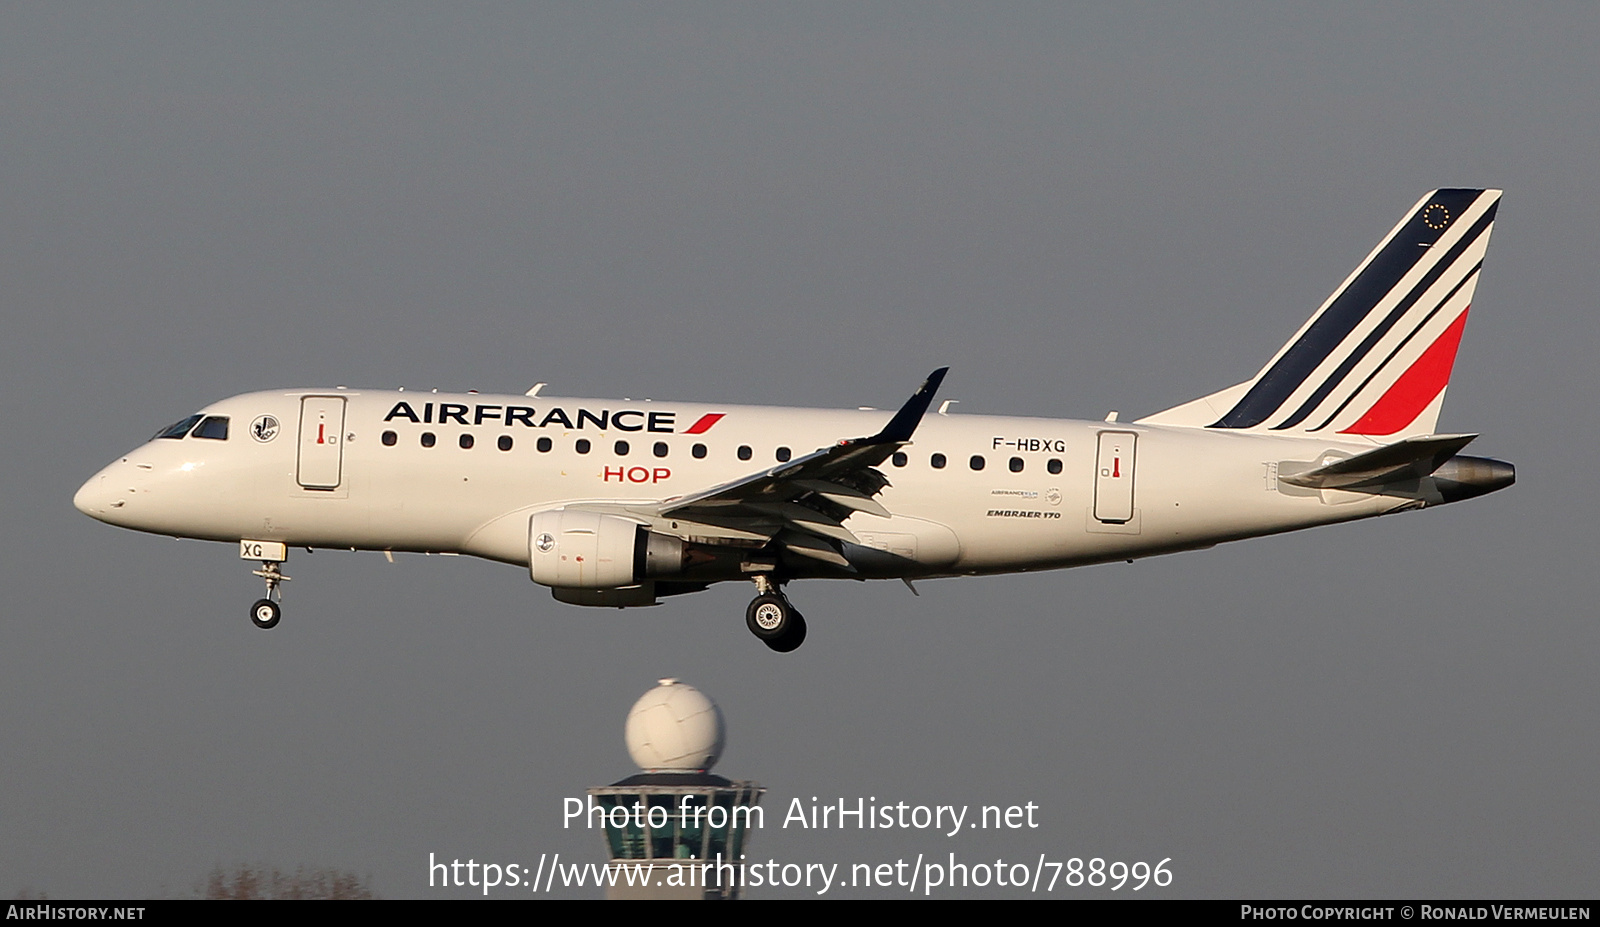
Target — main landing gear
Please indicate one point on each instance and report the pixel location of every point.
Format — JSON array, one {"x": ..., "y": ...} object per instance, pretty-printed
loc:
[
  {"x": 266, "y": 612},
  {"x": 770, "y": 617}
]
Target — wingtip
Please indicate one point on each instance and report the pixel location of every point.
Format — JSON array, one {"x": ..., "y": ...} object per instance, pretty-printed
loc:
[{"x": 905, "y": 421}]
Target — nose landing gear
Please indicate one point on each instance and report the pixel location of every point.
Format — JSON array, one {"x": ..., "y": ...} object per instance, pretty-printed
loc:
[
  {"x": 771, "y": 618},
  {"x": 266, "y": 613}
]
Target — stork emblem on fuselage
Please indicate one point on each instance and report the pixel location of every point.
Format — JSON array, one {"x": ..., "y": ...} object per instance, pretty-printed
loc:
[{"x": 264, "y": 428}]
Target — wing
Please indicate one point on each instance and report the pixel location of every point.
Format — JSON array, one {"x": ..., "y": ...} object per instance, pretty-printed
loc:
[{"x": 802, "y": 504}]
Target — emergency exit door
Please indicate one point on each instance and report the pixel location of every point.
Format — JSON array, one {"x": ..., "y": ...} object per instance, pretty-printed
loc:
[
  {"x": 321, "y": 442},
  {"x": 1113, "y": 477}
]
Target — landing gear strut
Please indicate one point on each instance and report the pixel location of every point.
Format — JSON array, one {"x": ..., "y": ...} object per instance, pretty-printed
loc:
[
  {"x": 266, "y": 612},
  {"x": 771, "y": 618}
]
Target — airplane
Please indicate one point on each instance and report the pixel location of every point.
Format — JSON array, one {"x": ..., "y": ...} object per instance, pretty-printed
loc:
[{"x": 624, "y": 503}]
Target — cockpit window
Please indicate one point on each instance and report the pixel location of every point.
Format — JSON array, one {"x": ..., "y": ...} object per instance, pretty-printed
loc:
[
  {"x": 214, "y": 427},
  {"x": 180, "y": 429}
]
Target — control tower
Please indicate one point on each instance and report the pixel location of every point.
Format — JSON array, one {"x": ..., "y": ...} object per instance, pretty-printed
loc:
[{"x": 678, "y": 825}]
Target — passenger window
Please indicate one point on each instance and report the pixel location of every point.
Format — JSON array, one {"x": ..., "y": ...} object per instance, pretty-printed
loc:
[
  {"x": 1054, "y": 466},
  {"x": 783, "y": 455},
  {"x": 937, "y": 461},
  {"x": 582, "y": 446},
  {"x": 178, "y": 429},
  {"x": 428, "y": 439},
  {"x": 466, "y": 442},
  {"x": 504, "y": 443},
  {"x": 976, "y": 461},
  {"x": 744, "y": 452},
  {"x": 660, "y": 450},
  {"x": 699, "y": 451},
  {"x": 1016, "y": 465},
  {"x": 389, "y": 438},
  {"x": 215, "y": 427},
  {"x": 621, "y": 448},
  {"x": 900, "y": 459},
  {"x": 544, "y": 445}
]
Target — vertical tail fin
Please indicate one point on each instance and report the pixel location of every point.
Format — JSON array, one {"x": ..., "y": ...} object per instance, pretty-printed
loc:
[{"x": 1376, "y": 357}]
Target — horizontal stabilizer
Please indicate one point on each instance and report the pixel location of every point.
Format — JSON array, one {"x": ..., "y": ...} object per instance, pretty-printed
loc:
[{"x": 1411, "y": 459}]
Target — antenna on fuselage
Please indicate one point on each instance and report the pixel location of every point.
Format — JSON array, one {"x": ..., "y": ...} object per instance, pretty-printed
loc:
[{"x": 534, "y": 391}]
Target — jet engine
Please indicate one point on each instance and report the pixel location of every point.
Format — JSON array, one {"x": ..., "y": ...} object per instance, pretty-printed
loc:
[{"x": 575, "y": 549}]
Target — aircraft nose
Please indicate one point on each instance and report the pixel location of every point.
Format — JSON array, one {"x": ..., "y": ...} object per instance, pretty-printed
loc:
[
  {"x": 101, "y": 496},
  {"x": 90, "y": 497}
]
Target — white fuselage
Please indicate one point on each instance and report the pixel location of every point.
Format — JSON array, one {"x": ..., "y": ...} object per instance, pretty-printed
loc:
[{"x": 1050, "y": 493}]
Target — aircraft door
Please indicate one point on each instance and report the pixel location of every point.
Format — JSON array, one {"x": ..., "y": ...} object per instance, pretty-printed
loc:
[
  {"x": 1113, "y": 477},
  {"x": 321, "y": 457}
]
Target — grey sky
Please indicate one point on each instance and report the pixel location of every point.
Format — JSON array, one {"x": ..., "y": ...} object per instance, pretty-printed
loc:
[{"x": 1077, "y": 208}]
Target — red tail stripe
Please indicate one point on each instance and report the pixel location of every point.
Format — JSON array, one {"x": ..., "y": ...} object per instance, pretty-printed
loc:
[{"x": 1418, "y": 386}]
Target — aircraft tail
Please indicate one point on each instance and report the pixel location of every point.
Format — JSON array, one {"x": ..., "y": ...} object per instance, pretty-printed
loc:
[{"x": 1375, "y": 359}]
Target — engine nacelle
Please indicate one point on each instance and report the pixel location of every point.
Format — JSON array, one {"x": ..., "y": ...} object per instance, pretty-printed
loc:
[{"x": 575, "y": 549}]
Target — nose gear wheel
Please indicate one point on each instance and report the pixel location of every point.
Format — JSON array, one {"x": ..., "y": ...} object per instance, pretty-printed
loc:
[{"x": 266, "y": 613}]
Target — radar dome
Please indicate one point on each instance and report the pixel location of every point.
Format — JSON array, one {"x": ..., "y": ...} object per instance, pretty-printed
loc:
[{"x": 674, "y": 728}]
